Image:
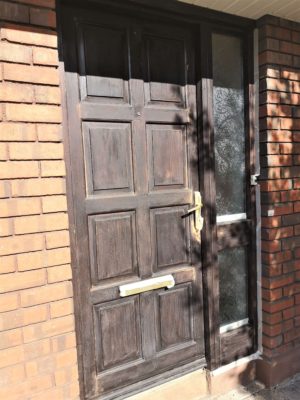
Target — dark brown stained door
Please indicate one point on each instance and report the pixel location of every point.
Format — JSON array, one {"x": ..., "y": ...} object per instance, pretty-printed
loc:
[{"x": 134, "y": 169}]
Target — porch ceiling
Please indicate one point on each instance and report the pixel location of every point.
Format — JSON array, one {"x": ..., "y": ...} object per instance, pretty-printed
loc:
[{"x": 289, "y": 9}]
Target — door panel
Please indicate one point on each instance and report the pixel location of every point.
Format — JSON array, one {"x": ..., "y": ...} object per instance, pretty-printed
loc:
[
  {"x": 104, "y": 77},
  {"x": 134, "y": 163},
  {"x": 117, "y": 333},
  {"x": 174, "y": 310}
]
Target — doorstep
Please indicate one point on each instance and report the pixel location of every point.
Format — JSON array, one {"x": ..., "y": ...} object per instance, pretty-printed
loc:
[{"x": 202, "y": 384}]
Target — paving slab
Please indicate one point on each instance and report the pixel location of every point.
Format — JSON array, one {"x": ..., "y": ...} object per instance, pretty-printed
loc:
[{"x": 288, "y": 390}]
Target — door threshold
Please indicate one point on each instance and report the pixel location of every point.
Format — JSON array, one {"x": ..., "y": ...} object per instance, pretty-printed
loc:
[{"x": 139, "y": 390}]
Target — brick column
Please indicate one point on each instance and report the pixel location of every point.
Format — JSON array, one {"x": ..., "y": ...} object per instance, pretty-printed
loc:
[
  {"x": 38, "y": 358},
  {"x": 279, "y": 60}
]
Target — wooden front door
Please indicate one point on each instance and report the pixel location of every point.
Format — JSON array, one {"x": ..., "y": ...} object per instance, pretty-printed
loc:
[{"x": 133, "y": 143}]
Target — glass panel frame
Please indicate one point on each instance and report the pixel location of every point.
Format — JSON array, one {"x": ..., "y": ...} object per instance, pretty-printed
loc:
[
  {"x": 237, "y": 229},
  {"x": 229, "y": 123}
]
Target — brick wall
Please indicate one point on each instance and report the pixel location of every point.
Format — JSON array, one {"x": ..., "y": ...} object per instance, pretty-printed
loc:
[
  {"x": 38, "y": 357},
  {"x": 279, "y": 58}
]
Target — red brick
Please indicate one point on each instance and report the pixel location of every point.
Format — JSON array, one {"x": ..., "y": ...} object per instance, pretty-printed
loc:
[
  {"x": 7, "y": 264},
  {"x": 9, "y": 302},
  {"x": 270, "y": 222},
  {"x": 29, "y": 35},
  {"x": 277, "y": 136},
  {"x": 63, "y": 342},
  {"x": 291, "y": 195},
  {"x": 12, "y": 132},
  {"x": 53, "y": 168},
  {"x": 289, "y": 313},
  {"x": 18, "y": 207},
  {"x": 37, "y": 349},
  {"x": 271, "y": 295},
  {"x": 11, "y": 356},
  {"x": 40, "y": 223},
  {"x": 44, "y": 56},
  {"x": 277, "y": 233},
  {"x": 45, "y": 294},
  {"x": 15, "y": 53},
  {"x": 14, "y": 12},
  {"x": 22, "y": 280},
  {"x": 22, "y": 317},
  {"x": 272, "y": 330},
  {"x": 278, "y": 305},
  {"x": 30, "y": 74},
  {"x": 43, "y": 17},
  {"x": 49, "y": 132},
  {"x": 272, "y": 319},
  {"x": 6, "y": 228},
  {"x": 59, "y": 273},
  {"x": 29, "y": 261},
  {"x": 275, "y": 160},
  {"x": 275, "y": 283},
  {"x": 271, "y": 246},
  {"x": 273, "y": 342},
  {"x": 272, "y": 270},
  {"x": 39, "y": 3},
  {"x": 49, "y": 328},
  {"x": 57, "y": 239},
  {"x": 58, "y": 256},
  {"x": 61, "y": 308},
  {"x": 47, "y": 94},
  {"x": 16, "y": 93},
  {"x": 33, "y": 113},
  {"x": 35, "y": 151},
  {"x": 270, "y": 57},
  {"x": 19, "y": 169},
  {"x": 12, "y": 375},
  {"x": 292, "y": 335},
  {"x": 13, "y": 245},
  {"x": 37, "y": 187},
  {"x": 276, "y": 185},
  {"x": 28, "y": 387},
  {"x": 54, "y": 204}
]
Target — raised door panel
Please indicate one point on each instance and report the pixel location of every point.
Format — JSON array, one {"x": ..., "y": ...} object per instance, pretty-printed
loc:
[
  {"x": 174, "y": 327},
  {"x": 104, "y": 62},
  {"x": 108, "y": 157},
  {"x": 170, "y": 236},
  {"x": 117, "y": 333},
  {"x": 167, "y": 154},
  {"x": 112, "y": 245},
  {"x": 165, "y": 70}
]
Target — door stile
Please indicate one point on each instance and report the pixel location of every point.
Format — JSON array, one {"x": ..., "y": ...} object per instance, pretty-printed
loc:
[
  {"x": 80, "y": 254},
  {"x": 250, "y": 119},
  {"x": 206, "y": 172}
]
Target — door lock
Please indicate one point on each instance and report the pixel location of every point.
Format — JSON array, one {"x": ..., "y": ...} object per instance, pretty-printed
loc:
[{"x": 197, "y": 210}]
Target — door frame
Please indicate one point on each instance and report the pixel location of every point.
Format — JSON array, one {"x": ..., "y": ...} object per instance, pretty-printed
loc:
[{"x": 201, "y": 21}]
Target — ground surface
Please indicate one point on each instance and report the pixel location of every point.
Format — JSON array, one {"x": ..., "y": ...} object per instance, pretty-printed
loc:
[{"x": 288, "y": 390}]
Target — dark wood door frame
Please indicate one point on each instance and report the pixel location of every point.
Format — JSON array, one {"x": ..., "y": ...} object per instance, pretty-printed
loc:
[
  {"x": 243, "y": 341},
  {"x": 202, "y": 23}
]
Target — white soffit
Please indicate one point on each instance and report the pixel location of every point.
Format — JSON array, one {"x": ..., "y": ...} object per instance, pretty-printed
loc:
[{"x": 289, "y": 9}]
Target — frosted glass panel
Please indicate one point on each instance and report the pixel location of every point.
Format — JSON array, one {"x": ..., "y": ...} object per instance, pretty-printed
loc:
[
  {"x": 229, "y": 124},
  {"x": 233, "y": 285}
]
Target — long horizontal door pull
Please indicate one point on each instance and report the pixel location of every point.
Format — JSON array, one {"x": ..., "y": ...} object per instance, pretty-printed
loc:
[{"x": 130, "y": 289}]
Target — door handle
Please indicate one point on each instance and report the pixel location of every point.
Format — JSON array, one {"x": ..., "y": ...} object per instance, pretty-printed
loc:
[{"x": 197, "y": 210}]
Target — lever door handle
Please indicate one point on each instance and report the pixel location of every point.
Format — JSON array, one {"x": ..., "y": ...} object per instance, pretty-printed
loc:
[{"x": 197, "y": 209}]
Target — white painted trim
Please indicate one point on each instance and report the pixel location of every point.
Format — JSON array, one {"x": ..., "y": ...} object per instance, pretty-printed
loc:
[
  {"x": 234, "y": 325},
  {"x": 234, "y": 364},
  {"x": 227, "y": 219}
]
